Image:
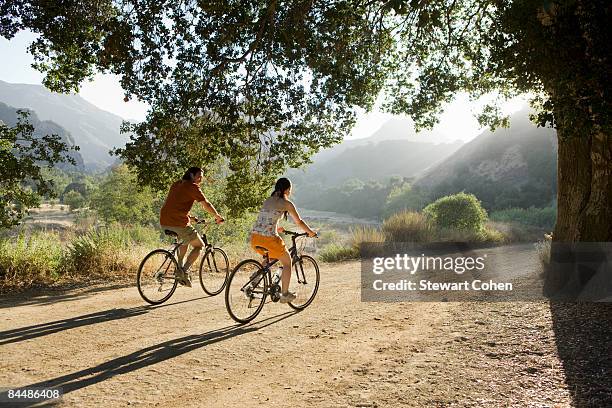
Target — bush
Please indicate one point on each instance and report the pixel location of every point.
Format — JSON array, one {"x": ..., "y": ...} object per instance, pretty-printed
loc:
[
  {"x": 457, "y": 212},
  {"x": 74, "y": 199},
  {"x": 408, "y": 226},
  {"x": 121, "y": 198},
  {"x": 404, "y": 198}
]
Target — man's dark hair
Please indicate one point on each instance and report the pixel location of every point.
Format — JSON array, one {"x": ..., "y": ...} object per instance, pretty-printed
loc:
[{"x": 191, "y": 173}]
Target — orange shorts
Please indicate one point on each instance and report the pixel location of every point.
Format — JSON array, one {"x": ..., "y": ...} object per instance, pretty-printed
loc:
[{"x": 275, "y": 245}]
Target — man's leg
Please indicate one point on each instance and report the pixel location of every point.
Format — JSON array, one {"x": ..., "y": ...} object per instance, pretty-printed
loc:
[
  {"x": 181, "y": 253},
  {"x": 197, "y": 244}
]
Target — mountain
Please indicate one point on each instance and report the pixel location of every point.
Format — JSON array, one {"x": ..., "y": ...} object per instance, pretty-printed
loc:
[
  {"x": 392, "y": 130},
  {"x": 94, "y": 130},
  {"x": 377, "y": 161},
  {"x": 8, "y": 115},
  {"x": 513, "y": 167}
]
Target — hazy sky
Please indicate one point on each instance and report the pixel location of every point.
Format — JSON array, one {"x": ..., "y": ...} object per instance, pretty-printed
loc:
[{"x": 104, "y": 91}]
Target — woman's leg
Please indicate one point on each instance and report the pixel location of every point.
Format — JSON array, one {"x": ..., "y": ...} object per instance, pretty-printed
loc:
[{"x": 286, "y": 277}]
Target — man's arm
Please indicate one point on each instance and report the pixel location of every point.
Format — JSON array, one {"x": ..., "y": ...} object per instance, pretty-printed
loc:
[{"x": 208, "y": 207}]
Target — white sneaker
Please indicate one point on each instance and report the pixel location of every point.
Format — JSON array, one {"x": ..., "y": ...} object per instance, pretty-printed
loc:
[{"x": 287, "y": 297}]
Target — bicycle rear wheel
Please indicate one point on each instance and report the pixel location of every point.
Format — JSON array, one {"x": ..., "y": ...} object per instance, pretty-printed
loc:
[
  {"x": 245, "y": 294},
  {"x": 156, "y": 278},
  {"x": 214, "y": 270},
  {"x": 304, "y": 282}
]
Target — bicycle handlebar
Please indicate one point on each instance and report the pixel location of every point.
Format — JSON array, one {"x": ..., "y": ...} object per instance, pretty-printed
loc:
[{"x": 297, "y": 234}]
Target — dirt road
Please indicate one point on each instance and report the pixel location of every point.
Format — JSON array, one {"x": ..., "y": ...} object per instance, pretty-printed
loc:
[{"x": 104, "y": 347}]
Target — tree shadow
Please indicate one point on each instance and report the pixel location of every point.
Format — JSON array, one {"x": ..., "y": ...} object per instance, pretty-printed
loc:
[
  {"x": 43, "y": 329},
  {"x": 583, "y": 335},
  {"x": 45, "y": 296},
  {"x": 578, "y": 282},
  {"x": 146, "y": 357}
]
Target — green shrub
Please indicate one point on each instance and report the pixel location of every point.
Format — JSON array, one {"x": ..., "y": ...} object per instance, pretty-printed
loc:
[
  {"x": 120, "y": 198},
  {"x": 457, "y": 212},
  {"x": 74, "y": 199},
  {"x": 408, "y": 226},
  {"x": 404, "y": 198}
]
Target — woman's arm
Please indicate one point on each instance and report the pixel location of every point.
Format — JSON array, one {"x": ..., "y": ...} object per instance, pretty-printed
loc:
[{"x": 297, "y": 219}]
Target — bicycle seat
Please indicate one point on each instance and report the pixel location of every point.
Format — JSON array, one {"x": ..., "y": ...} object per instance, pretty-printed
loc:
[
  {"x": 171, "y": 233},
  {"x": 260, "y": 248}
]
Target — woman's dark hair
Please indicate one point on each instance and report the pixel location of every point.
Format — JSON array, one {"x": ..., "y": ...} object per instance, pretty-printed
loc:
[
  {"x": 191, "y": 173},
  {"x": 281, "y": 185}
]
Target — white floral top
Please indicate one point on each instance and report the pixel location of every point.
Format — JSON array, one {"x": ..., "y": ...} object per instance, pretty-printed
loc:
[{"x": 267, "y": 221}]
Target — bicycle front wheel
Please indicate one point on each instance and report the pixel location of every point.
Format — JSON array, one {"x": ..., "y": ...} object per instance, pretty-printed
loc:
[
  {"x": 304, "y": 282},
  {"x": 214, "y": 269},
  {"x": 245, "y": 294},
  {"x": 156, "y": 279}
]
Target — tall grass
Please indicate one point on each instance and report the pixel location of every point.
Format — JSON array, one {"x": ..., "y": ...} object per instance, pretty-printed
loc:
[
  {"x": 28, "y": 259},
  {"x": 408, "y": 226},
  {"x": 42, "y": 257},
  {"x": 538, "y": 217},
  {"x": 335, "y": 252}
]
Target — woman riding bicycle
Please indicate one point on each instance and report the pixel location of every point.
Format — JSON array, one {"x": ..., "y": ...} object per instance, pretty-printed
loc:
[
  {"x": 175, "y": 217},
  {"x": 266, "y": 229}
]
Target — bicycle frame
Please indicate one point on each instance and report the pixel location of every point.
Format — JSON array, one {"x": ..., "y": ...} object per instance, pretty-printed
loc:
[{"x": 255, "y": 280}]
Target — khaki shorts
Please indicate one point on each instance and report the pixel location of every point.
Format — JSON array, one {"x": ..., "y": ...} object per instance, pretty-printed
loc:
[{"x": 185, "y": 234}]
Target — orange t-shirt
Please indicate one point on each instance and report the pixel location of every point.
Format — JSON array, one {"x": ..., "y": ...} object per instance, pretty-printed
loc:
[{"x": 180, "y": 199}]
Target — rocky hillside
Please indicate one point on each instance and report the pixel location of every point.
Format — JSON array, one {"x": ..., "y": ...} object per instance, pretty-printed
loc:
[
  {"x": 516, "y": 166},
  {"x": 8, "y": 115},
  {"x": 95, "y": 131}
]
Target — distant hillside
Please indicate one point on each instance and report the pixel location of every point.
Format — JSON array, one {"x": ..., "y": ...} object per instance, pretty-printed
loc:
[
  {"x": 392, "y": 130},
  {"x": 514, "y": 167},
  {"x": 94, "y": 130},
  {"x": 377, "y": 161},
  {"x": 8, "y": 115}
]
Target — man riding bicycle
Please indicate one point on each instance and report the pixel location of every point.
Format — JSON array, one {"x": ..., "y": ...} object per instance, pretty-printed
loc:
[{"x": 174, "y": 216}]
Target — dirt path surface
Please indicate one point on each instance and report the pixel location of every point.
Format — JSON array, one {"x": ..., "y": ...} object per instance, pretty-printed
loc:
[{"x": 105, "y": 348}]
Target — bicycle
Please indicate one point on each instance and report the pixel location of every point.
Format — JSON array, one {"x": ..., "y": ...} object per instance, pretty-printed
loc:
[
  {"x": 251, "y": 282},
  {"x": 157, "y": 279}
]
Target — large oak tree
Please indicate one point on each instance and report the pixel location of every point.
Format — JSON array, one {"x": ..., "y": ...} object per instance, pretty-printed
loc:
[{"x": 250, "y": 87}]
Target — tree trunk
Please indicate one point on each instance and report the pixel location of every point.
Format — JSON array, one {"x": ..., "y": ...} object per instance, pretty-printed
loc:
[
  {"x": 584, "y": 197},
  {"x": 579, "y": 270}
]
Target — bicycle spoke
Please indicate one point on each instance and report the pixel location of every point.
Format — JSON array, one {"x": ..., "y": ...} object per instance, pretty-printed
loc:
[
  {"x": 305, "y": 282},
  {"x": 156, "y": 276},
  {"x": 246, "y": 291},
  {"x": 214, "y": 270}
]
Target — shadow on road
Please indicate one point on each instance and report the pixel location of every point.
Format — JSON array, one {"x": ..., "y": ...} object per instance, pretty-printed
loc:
[
  {"x": 149, "y": 356},
  {"x": 583, "y": 333},
  {"x": 43, "y": 329},
  {"x": 46, "y": 296}
]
